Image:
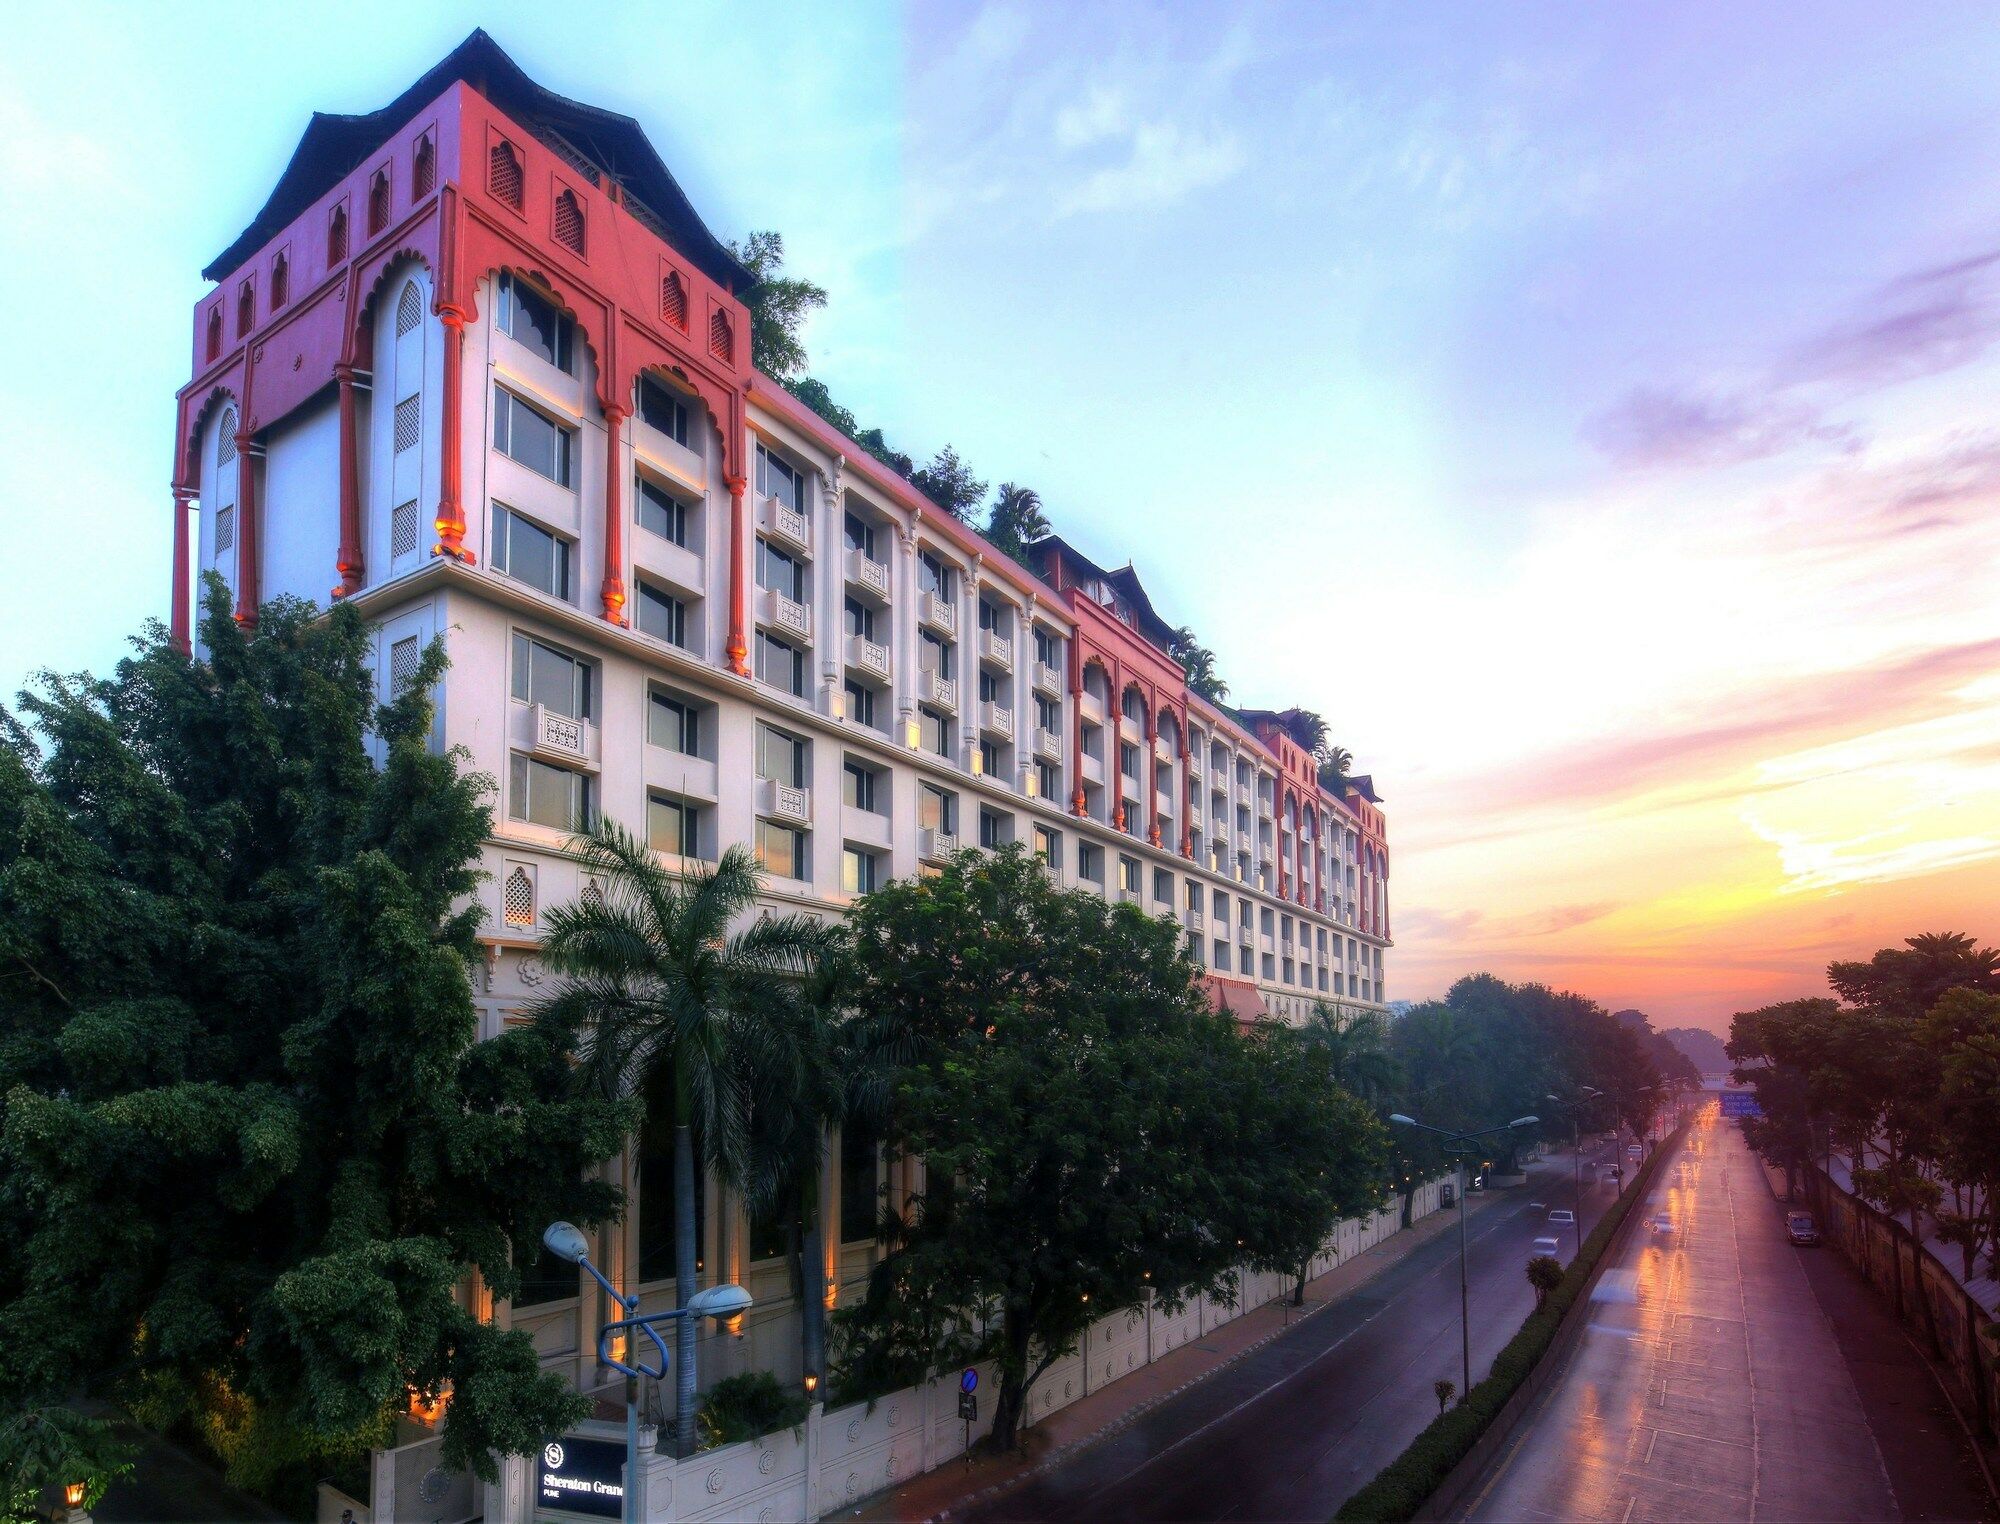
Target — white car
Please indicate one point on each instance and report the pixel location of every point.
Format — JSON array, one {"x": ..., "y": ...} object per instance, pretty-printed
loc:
[
  {"x": 1562, "y": 1217},
  {"x": 1662, "y": 1222},
  {"x": 1546, "y": 1246}
]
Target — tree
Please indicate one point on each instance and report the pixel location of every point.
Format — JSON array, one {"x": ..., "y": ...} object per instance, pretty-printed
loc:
[
  {"x": 252, "y": 1143},
  {"x": 779, "y": 306},
  {"x": 1016, "y": 520},
  {"x": 1198, "y": 662},
  {"x": 1309, "y": 1152},
  {"x": 1335, "y": 764},
  {"x": 813, "y": 394},
  {"x": 1962, "y": 1032},
  {"x": 1545, "y": 1273},
  {"x": 949, "y": 482},
  {"x": 1355, "y": 1050},
  {"x": 1047, "y": 1055},
  {"x": 678, "y": 985}
]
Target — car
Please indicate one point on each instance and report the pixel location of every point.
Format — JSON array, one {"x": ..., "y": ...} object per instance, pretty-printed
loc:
[
  {"x": 1547, "y": 1246},
  {"x": 1801, "y": 1229},
  {"x": 1614, "y": 1172},
  {"x": 1662, "y": 1222},
  {"x": 1562, "y": 1217},
  {"x": 1633, "y": 1150}
]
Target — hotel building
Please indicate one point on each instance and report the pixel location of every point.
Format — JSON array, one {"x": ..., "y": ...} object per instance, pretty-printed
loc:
[{"x": 479, "y": 368}]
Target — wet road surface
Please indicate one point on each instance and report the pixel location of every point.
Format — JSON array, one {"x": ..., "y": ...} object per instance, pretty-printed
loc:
[
  {"x": 1292, "y": 1429},
  {"x": 1710, "y": 1382}
]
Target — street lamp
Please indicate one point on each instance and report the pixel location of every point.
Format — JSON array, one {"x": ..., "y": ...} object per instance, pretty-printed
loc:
[
  {"x": 1458, "y": 1145},
  {"x": 567, "y": 1242},
  {"x": 1576, "y": 1152}
]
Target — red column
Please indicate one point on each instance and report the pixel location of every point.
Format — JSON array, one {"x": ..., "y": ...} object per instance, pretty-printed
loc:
[
  {"x": 614, "y": 514},
  {"x": 1114, "y": 750},
  {"x": 348, "y": 561},
  {"x": 450, "y": 510},
  {"x": 739, "y": 621},
  {"x": 1187, "y": 789},
  {"x": 246, "y": 529},
  {"x": 1076, "y": 803},
  {"x": 1152, "y": 775},
  {"x": 179, "y": 619}
]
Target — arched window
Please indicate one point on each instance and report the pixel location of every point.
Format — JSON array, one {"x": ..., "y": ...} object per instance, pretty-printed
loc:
[
  {"x": 721, "y": 338},
  {"x": 423, "y": 176},
  {"x": 409, "y": 309},
  {"x": 246, "y": 308},
  {"x": 225, "y": 442},
  {"x": 378, "y": 202},
  {"x": 503, "y": 174},
  {"x": 336, "y": 236},
  {"x": 674, "y": 301},
  {"x": 569, "y": 222},
  {"x": 281, "y": 280},
  {"x": 214, "y": 333}
]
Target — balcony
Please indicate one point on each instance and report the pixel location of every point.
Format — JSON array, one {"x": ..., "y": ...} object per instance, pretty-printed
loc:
[
  {"x": 996, "y": 719},
  {"x": 1267, "y": 943},
  {"x": 778, "y": 612},
  {"x": 781, "y": 801},
  {"x": 1093, "y": 768},
  {"x": 937, "y": 614},
  {"x": 1218, "y": 780},
  {"x": 1048, "y": 745},
  {"x": 1090, "y": 706},
  {"x": 1196, "y": 921},
  {"x": 556, "y": 736},
  {"x": 934, "y": 845},
  {"x": 996, "y": 648},
  {"x": 865, "y": 656},
  {"x": 1047, "y": 679},
  {"x": 783, "y": 522},
  {"x": 942, "y": 691},
  {"x": 1244, "y": 938},
  {"x": 870, "y": 576}
]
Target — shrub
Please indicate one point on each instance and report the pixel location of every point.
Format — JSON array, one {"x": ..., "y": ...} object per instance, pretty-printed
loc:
[{"x": 749, "y": 1407}]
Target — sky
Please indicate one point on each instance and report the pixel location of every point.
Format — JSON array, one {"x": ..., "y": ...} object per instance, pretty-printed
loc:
[{"x": 1586, "y": 408}]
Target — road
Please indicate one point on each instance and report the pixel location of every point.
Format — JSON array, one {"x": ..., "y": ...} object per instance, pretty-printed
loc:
[
  {"x": 1290, "y": 1430},
  {"x": 1716, "y": 1379}
]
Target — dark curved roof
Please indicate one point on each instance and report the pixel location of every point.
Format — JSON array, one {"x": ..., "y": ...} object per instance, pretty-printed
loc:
[{"x": 334, "y": 144}]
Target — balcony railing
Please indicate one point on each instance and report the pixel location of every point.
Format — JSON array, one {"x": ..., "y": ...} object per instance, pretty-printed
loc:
[
  {"x": 873, "y": 575},
  {"x": 781, "y": 613},
  {"x": 782, "y": 801},
  {"x": 996, "y": 648},
  {"x": 787, "y": 523},
  {"x": 864, "y": 655},
  {"x": 939, "y": 614},
  {"x": 934, "y": 846},
  {"x": 996, "y": 719},
  {"x": 1047, "y": 679},
  {"x": 942, "y": 691}
]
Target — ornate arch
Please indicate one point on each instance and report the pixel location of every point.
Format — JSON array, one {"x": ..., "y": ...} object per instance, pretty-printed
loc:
[
  {"x": 187, "y": 473},
  {"x": 360, "y": 346}
]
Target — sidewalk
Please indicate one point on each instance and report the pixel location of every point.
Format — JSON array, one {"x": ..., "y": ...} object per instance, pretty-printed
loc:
[{"x": 936, "y": 1494}]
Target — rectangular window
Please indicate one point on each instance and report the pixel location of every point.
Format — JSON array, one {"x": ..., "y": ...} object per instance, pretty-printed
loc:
[
  {"x": 1048, "y": 715},
  {"x": 662, "y": 615},
  {"x": 673, "y": 826},
  {"x": 1128, "y": 760},
  {"x": 937, "y": 809},
  {"x": 860, "y": 787},
  {"x": 549, "y": 676},
  {"x": 860, "y": 704},
  {"x": 989, "y": 688},
  {"x": 1048, "y": 847},
  {"x": 777, "y": 478},
  {"x": 1048, "y": 649},
  {"x": 935, "y": 655},
  {"x": 991, "y": 763},
  {"x": 1128, "y": 874},
  {"x": 781, "y": 665},
  {"x": 661, "y": 513},
  {"x": 663, "y": 408},
  {"x": 1163, "y": 886},
  {"x": 550, "y": 796},
  {"x": 860, "y": 1206},
  {"x": 935, "y": 576},
  {"x": 991, "y": 617},
  {"x": 860, "y": 619},
  {"x": 995, "y": 830},
  {"x": 781, "y": 757},
  {"x": 860, "y": 535},
  {"x": 1048, "y": 783},
  {"x": 531, "y": 319},
  {"x": 935, "y": 731},
  {"x": 781, "y": 851},
  {"x": 780, "y": 573},
  {"x": 1221, "y": 958},
  {"x": 860, "y": 872},
  {"x": 528, "y": 553},
  {"x": 1089, "y": 862},
  {"x": 534, "y": 439},
  {"x": 675, "y": 723}
]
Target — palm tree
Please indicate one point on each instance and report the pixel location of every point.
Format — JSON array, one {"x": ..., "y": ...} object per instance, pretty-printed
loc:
[
  {"x": 1356, "y": 1049},
  {"x": 1016, "y": 519},
  {"x": 1335, "y": 763},
  {"x": 651, "y": 969}
]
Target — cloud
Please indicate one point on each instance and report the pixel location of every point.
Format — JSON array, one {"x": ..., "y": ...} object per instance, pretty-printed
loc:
[
  {"x": 1920, "y": 324},
  {"x": 1156, "y": 162},
  {"x": 1676, "y": 426}
]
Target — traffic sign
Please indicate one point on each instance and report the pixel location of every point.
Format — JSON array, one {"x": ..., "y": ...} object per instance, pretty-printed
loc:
[
  {"x": 969, "y": 1381},
  {"x": 1741, "y": 1103},
  {"x": 968, "y": 1407}
]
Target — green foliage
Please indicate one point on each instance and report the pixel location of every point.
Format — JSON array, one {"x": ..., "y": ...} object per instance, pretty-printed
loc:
[
  {"x": 749, "y": 1406},
  {"x": 1052, "y": 1059},
  {"x": 1406, "y": 1483},
  {"x": 813, "y": 394},
  {"x": 1545, "y": 1273},
  {"x": 779, "y": 306},
  {"x": 1016, "y": 520},
  {"x": 251, "y": 1142},
  {"x": 1198, "y": 662},
  {"x": 45, "y": 1449},
  {"x": 949, "y": 482}
]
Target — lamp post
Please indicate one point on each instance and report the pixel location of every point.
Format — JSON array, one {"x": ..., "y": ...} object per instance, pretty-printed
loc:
[
  {"x": 727, "y": 1301},
  {"x": 1459, "y": 1146},
  {"x": 1576, "y": 1153}
]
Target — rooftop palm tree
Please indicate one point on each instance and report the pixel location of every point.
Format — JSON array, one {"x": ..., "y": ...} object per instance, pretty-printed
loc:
[{"x": 664, "y": 986}]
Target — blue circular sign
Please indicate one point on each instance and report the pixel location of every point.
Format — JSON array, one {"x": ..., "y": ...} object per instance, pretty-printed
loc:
[{"x": 969, "y": 1382}]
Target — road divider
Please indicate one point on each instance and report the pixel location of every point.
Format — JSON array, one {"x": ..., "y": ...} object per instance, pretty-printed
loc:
[{"x": 1440, "y": 1463}]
